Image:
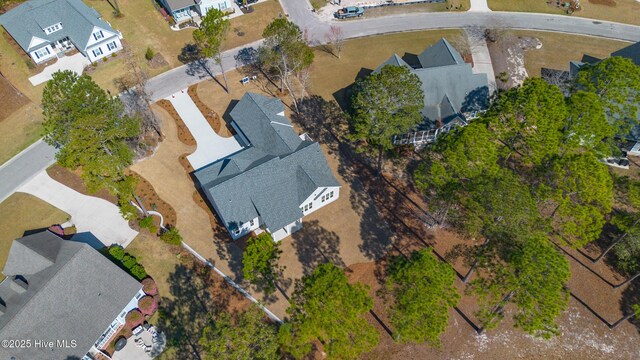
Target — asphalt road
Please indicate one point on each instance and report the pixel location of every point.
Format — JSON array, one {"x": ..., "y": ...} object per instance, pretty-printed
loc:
[
  {"x": 28, "y": 163},
  {"x": 24, "y": 166}
]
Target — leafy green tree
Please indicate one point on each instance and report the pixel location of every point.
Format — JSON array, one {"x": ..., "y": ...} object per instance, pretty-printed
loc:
[
  {"x": 244, "y": 336},
  {"x": 285, "y": 53},
  {"x": 210, "y": 35},
  {"x": 627, "y": 193},
  {"x": 616, "y": 81},
  {"x": 172, "y": 236},
  {"x": 423, "y": 293},
  {"x": 587, "y": 126},
  {"x": 532, "y": 276},
  {"x": 385, "y": 104},
  {"x": 530, "y": 119},
  {"x": 326, "y": 308},
  {"x": 260, "y": 261},
  {"x": 582, "y": 188},
  {"x": 92, "y": 132}
]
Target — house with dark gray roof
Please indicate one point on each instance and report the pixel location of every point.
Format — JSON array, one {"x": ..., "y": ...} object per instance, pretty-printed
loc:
[
  {"x": 453, "y": 93},
  {"x": 46, "y": 29},
  {"x": 63, "y": 297},
  {"x": 275, "y": 180}
]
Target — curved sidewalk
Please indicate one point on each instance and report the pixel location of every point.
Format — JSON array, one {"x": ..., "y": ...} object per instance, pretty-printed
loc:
[{"x": 89, "y": 214}]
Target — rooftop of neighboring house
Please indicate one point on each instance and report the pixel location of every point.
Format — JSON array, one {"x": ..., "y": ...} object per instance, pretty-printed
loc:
[
  {"x": 449, "y": 84},
  {"x": 59, "y": 289},
  {"x": 179, "y": 4},
  {"x": 271, "y": 177},
  {"x": 26, "y": 23}
]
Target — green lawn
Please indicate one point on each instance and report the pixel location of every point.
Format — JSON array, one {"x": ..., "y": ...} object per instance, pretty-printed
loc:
[
  {"x": 624, "y": 11},
  {"x": 21, "y": 212},
  {"x": 558, "y": 49},
  {"x": 157, "y": 258}
]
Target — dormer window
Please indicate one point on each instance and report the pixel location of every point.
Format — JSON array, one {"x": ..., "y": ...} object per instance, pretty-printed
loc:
[
  {"x": 98, "y": 35},
  {"x": 53, "y": 28}
]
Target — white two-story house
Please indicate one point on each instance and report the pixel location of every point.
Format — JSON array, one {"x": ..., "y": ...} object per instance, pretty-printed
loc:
[
  {"x": 275, "y": 180},
  {"x": 182, "y": 10},
  {"x": 46, "y": 29}
]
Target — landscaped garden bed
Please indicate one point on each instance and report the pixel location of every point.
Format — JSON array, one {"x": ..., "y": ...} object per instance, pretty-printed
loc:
[{"x": 215, "y": 121}]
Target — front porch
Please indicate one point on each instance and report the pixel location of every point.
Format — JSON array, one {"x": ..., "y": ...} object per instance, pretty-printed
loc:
[{"x": 184, "y": 17}]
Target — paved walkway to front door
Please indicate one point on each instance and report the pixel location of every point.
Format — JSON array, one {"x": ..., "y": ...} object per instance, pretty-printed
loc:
[{"x": 75, "y": 63}]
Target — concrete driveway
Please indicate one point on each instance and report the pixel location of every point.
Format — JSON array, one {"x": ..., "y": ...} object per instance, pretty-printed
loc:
[
  {"x": 75, "y": 63},
  {"x": 210, "y": 146},
  {"x": 90, "y": 215}
]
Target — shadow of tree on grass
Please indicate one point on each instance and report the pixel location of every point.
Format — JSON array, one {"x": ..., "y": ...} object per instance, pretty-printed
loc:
[{"x": 316, "y": 245}]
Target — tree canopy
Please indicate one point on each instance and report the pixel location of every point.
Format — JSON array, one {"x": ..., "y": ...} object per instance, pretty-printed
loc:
[
  {"x": 423, "y": 294},
  {"x": 211, "y": 34},
  {"x": 532, "y": 276},
  {"x": 244, "y": 336},
  {"x": 326, "y": 308},
  {"x": 385, "y": 104},
  {"x": 616, "y": 81},
  {"x": 260, "y": 261},
  {"x": 92, "y": 131},
  {"x": 285, "y": 53}
]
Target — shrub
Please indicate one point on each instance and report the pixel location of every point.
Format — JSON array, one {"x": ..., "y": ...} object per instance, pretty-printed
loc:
[
  {"x": 149, "y": 54},
  {"x": 147, "y": 305},
  {"x": 172, "y": 237},
  {"x": 146, "y": 222},
  {"x": 114, "y": 54},
  {"x": 128, "y": 261},
  {"x": 30, "y": 64},
  {"x": 116, "y": 252},
  {"x": 149, "y": 286},
  {"x": 138, "y": 272},
  {"x": 134, "y": 318}
]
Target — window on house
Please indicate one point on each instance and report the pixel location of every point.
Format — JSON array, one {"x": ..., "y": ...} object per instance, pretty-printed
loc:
[
  {"x": 306, "y": 207},
  {"x": 53, "y": 28},
  {"x": 97, "y": 52},
  {"x": 330, "y": 195},
  {"x": 251, "y": 222},
  {"x": 112, "y": 45},
  {"x": 323, "y": 198},
  {"x": 98, "y": 35},
  {"x": 310, "y": 205},
  {"x": 41, "y": 53}
]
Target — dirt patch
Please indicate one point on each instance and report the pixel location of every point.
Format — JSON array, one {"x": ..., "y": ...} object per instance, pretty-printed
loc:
[
  {"x": 151, "y": 201},
  {"x": 72, "y": 179},
  {"x": 611, "y": 3},
  {"x": 158, "y": 61},
  {"x": 184, "y": 135},
  {"x": 12, "y": 98},
  {"x": 507, "y": 54},
  {"x": 581, "y": 337},
  {"x": 215, "y": 121}
]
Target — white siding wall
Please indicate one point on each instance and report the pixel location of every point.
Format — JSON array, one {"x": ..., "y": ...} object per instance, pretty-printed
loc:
[
  {"x": 245, "y": 228},
  {"x": 205, "y": 5},
  {"x": 320, "y": 198},
  {"x": 287, "y": 230},
  {"x": 43, "y": 57},
  {"x": 103, "y": 47}
]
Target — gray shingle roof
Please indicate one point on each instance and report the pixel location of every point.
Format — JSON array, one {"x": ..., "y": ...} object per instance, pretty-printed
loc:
[
  {"x": 270, "y": 178},
  {"x": 179, "y": 4},
  {"x": 30, "y": 18},
  {"x": 450, "y": 87},
  {"x": 75, "y": 297},
  {"x": 394, "y": 60},
  {"x": 630, "y": 52},
  {"x": 440, "y": 54}
]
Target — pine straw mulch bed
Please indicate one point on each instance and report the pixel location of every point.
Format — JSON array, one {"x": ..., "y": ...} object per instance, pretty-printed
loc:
[
  {"x": 184, "y": 135},
  {"x": 215, "y": 121},
  {"x": 72, "y": 179},
  {"x": 152, "y": 201}
]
